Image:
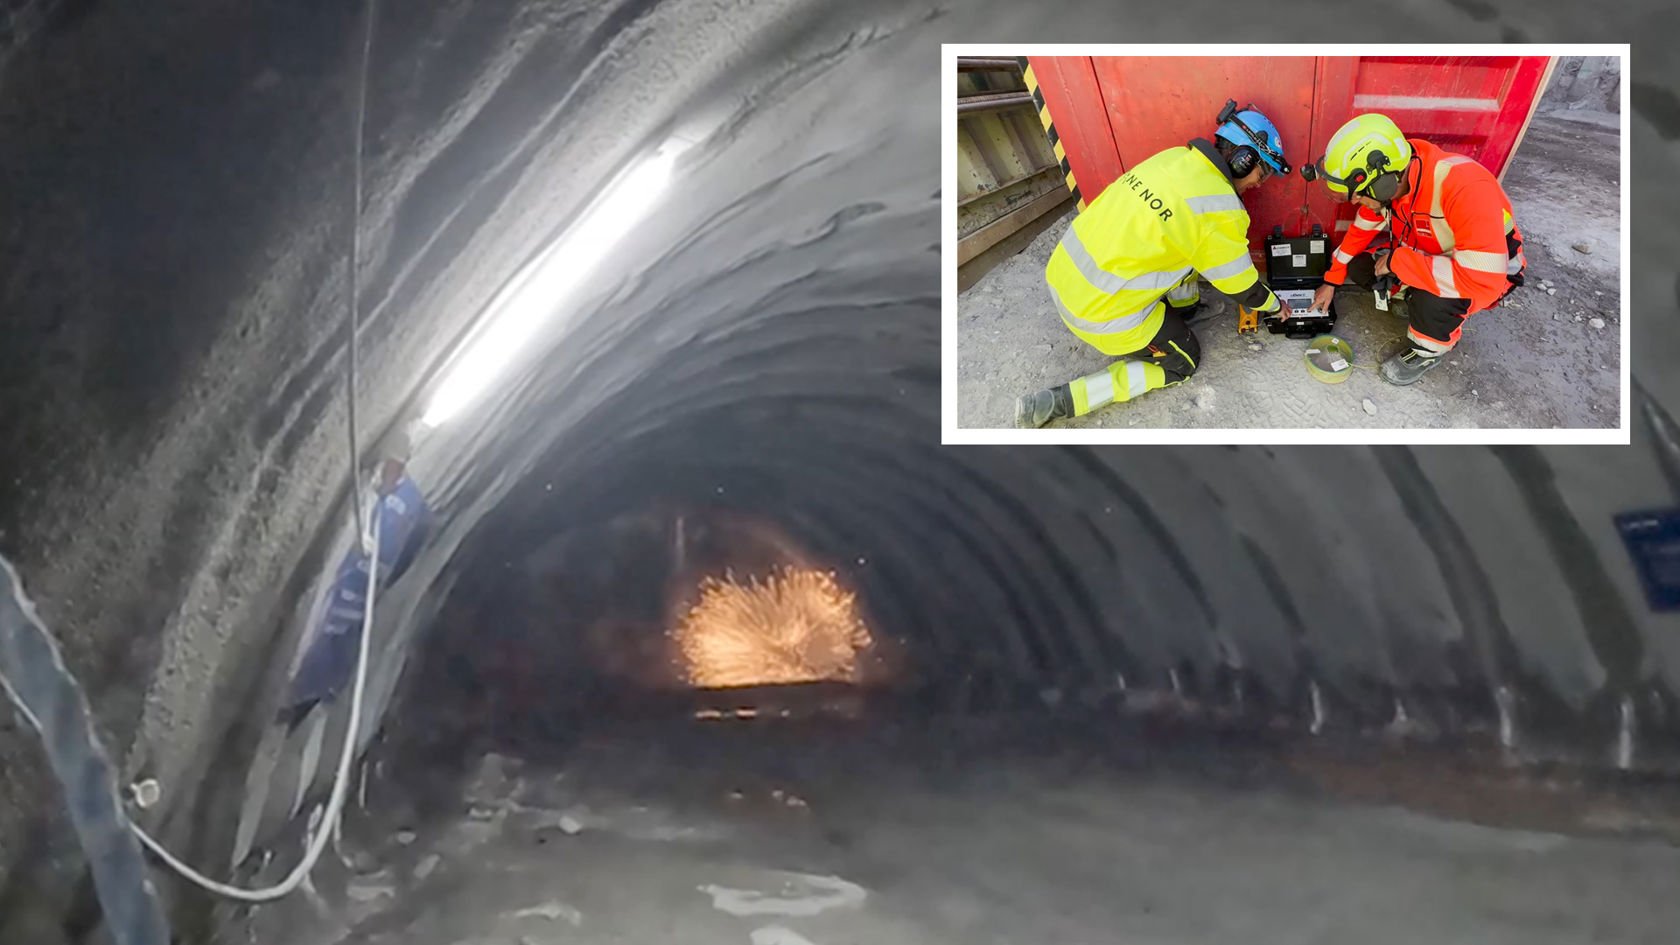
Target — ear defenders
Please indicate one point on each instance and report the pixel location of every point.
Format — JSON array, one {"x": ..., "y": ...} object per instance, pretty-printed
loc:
[
  {"x": 1386, "y": 185},
  {"x": 1383, "y": 184},
  {"x": 1244, "y": 159}
]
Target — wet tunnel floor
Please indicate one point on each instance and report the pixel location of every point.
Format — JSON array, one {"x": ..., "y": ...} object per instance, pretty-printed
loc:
[{"x": 1000, "y": 831}]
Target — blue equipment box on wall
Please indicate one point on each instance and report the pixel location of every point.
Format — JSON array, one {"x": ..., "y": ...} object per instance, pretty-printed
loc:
[{"x": 1653, "y": 539}]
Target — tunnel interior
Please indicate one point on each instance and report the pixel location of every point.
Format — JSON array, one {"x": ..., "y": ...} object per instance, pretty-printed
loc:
[
  {"x": 1051, "y": 660},
  {"x": 642, "y": 614}
]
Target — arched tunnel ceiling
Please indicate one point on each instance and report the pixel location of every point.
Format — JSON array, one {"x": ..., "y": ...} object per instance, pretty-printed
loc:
[{"x": 175, "y": 217}]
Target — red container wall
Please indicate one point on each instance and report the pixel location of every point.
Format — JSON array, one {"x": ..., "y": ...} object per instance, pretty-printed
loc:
[{"x": 1111, "y": 113}]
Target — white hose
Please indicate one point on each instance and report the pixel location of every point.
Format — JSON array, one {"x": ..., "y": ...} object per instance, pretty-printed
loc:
[{"x": 341, "y": 782}]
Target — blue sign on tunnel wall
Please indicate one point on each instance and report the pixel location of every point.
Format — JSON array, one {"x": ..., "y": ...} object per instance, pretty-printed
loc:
[{"x": 1653, "y": 539}]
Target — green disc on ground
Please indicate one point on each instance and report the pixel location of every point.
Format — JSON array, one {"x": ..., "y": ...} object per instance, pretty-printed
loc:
[{"x": 1330, "y": 359}]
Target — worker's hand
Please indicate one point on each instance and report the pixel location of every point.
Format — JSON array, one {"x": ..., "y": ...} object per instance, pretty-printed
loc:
[
  {"x": 1382, "y": 264},
  {"x": 1323, "y": 297},
  {"x": 1284, "y": 311}
]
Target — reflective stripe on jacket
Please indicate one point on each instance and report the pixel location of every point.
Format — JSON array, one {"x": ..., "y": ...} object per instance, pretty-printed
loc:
[
  {"x": 1171, "y": 215},
  {"x": 1454, "y": 233}
]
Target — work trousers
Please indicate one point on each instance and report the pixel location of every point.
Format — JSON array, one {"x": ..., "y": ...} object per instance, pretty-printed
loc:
[
  {"x": 1170, "y": 356},
  {"x": 1434, "y": 324}
]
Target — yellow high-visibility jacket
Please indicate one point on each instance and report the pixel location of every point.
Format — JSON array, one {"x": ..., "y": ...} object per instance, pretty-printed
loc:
[{"x": 1172, "y": 215}]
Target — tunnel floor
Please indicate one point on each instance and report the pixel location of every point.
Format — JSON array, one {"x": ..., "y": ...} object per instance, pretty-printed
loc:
[{"x": 977, "y": 830}]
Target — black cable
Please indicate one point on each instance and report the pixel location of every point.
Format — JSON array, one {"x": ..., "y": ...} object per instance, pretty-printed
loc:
[
  {"x": 353, "y": 291},
  {"x": 1410, "y": 230}
]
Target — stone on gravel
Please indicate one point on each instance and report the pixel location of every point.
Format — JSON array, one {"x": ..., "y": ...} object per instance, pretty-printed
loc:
[
  {"x": 552, "y": 910},
  {"x": 426, "y": 866}
]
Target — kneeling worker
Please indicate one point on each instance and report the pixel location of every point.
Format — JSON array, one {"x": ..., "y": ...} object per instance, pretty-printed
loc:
[
  {"x": 1452, "y": 246},
  {"x": 1125, "y": 276}
]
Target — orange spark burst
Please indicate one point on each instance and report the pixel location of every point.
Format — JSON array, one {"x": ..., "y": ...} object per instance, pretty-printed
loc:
[{"x": 795, "y": 626}]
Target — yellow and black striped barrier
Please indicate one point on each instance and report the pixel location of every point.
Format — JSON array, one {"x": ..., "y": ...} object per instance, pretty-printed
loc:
[{"x": 1050, "y": 130}]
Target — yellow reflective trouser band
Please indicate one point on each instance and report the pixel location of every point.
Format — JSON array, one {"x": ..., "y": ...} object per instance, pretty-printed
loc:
[
  {"x": 1186, "y": 293},
  {"x": 1120, "y": 381}
]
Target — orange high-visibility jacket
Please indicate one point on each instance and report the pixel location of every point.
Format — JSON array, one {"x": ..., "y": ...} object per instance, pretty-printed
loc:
[{"x": 1454, "y": 235}]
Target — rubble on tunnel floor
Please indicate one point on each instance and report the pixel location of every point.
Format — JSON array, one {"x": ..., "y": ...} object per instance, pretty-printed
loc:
[{"x": 980, "y": 830}]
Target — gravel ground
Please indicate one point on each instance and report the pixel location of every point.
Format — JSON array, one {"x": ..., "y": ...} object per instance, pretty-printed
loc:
[{"x": 1536, "y": 361}]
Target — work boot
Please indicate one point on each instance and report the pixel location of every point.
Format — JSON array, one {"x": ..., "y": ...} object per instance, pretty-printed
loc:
[
  {"x": 1407, "y": 367},
  {"x": 1040, "y": 407}
]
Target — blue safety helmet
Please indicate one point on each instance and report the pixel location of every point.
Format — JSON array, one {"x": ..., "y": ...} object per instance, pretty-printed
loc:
[{"x": 1249, "y": 127}]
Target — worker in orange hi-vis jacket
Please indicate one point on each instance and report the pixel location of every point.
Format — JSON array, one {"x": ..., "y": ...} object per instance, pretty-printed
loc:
[{"x": 1434, "y": 226}]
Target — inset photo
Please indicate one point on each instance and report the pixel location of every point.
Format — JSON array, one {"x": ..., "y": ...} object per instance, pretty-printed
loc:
[{"x": 1321, "y": 245}]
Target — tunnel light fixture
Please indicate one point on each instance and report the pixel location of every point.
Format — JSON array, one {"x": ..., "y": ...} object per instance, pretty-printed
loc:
[{"x": 536, "y": 293}]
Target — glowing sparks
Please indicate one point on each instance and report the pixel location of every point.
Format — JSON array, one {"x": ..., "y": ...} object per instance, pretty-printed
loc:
[{"x": 795, "y": 626}]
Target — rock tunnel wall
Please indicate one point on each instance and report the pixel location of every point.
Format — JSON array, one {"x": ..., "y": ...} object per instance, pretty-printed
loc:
[
  {"x": 175, "y": 220},
  {"x": 1589, "y": 82},
  {"x": 19, "y": 21}
]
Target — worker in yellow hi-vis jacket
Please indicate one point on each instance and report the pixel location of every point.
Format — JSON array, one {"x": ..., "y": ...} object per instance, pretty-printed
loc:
[{"x": 1125, "y": 277}]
